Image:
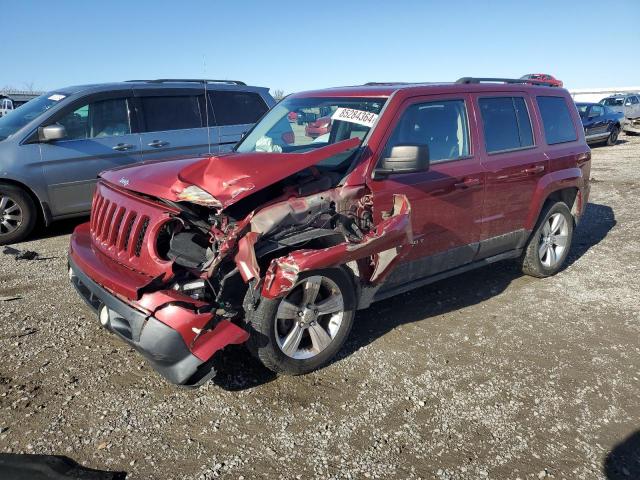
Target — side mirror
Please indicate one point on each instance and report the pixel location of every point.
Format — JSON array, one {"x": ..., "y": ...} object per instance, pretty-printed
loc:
[
  {"x": 51, "y": 133},
  {"x": 404, "y": 159}
]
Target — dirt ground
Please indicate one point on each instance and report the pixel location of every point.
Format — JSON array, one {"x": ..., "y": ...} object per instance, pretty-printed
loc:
[{"x": 486, "y": 375}]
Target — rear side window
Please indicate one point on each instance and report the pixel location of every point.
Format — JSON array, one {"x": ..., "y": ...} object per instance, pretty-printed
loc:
[
  {"x": 506, "y": 123},
  {"x": 171, "y": 113},
  {"x": 556, "y": 119},
  {"x": 236, "y": 108}
]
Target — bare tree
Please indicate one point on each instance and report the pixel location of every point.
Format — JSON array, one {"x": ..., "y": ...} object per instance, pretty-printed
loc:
[
  {"x": 29, "y": 86},
  {"x": 278, "y": 94}
]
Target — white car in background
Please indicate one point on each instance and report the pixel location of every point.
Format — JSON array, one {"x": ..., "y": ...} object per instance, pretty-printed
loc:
[
  {"x": 6, "y": 106},
  {"x": 629, "y": 105}
]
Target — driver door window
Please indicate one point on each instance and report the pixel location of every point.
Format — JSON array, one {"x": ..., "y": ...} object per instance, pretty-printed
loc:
[
  {"x": 106, "y": 118},
  {"x": 441, "y": 125}
]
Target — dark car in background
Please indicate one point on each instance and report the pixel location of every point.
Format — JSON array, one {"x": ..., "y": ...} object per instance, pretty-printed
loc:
[
  {"x": 52, "y": 148},
  {"x": 601, "y": 124}
]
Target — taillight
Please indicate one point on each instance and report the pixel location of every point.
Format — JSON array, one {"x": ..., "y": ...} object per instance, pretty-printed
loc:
[{"x": 288, "y": 138}]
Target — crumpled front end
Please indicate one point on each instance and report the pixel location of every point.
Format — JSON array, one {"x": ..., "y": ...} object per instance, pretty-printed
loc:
[
  {"x": 118, "y": 264},
  {"x": 173, "y": 276}
]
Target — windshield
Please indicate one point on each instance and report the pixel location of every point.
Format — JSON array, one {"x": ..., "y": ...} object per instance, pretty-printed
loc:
[
  {"x": 613, "y": 101},
  {"x": 297, "y": 125},
  {"x": 18, "y": 118}
]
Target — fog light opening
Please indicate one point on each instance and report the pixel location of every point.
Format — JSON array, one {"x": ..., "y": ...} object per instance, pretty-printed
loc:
[{"x": 104, "y": 316}]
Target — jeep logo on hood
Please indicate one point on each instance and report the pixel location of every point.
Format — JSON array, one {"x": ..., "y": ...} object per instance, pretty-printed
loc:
[{"x": 123, "y": 181}]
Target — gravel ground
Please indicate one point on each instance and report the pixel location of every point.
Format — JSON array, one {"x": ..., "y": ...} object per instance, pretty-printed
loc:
[{"x": 486, "y": 375}]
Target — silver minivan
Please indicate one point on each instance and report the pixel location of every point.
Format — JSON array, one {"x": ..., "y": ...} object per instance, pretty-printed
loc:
[{"x": 53, "y": 147}]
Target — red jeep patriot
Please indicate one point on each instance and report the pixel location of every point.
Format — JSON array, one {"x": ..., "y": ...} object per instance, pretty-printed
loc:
[{"x": 278, "y": 243}]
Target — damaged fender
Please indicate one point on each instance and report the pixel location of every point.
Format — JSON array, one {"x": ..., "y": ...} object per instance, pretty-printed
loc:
[{"x": 385, "y": 246}]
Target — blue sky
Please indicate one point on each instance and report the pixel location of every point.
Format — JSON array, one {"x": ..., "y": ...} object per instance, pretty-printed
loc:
[{"x": 300, "y": 45}]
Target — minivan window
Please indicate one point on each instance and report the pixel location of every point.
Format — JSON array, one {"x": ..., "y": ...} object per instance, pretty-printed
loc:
[
  {"x": 556, "y": 120},
  {"x": 506, "y": 123},
  {"x": 105, "y": 118},
  {"x": 18, "y": 118},
  {"x": 236, "y": 108},
  {"x": 171, "y": 113},
  {"x": 441, "y": 125}
]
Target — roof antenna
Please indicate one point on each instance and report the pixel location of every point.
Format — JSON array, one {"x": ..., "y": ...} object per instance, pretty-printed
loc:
[{"x": 206, "y": 101}]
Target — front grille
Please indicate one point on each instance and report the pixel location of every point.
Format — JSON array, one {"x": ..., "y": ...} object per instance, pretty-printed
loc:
[{"x": 122, "y": 225}]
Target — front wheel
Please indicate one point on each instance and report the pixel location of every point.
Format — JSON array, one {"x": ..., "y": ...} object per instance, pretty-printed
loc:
[
  {"x": 302, "y": 331},
  {"x": 17, "y": 214},
  {"x": 549, "y": 244}
]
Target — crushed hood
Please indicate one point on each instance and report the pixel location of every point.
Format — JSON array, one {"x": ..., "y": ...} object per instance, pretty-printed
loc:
[{"x": 228, "y": 177}]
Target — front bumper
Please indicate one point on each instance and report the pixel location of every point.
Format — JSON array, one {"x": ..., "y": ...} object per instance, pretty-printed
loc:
[
  {"x": 631, "y": 125},
  {"x": 161, "y": 328}
]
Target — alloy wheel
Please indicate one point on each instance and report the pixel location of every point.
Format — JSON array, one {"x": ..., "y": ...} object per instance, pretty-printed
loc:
[
  {"x": 10, "y": 215},
  {"x": 309, "y": 317},
  {"x": 553, "y": 240}
]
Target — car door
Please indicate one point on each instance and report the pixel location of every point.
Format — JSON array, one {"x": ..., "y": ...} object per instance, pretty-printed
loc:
[
  {"x": 514, "y": 162},
  {"x": 598, "y": 125},
  {"x": 445, "y": 200},
  {"x": 234, "y": 113},
  {"x": 100, "y": 135},
  {"x": 173, "y": 123}
]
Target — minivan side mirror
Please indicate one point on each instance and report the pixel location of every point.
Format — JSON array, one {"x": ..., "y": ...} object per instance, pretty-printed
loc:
[
  {"x": 404, "y": 159},
  {"x": 51, "y": 133}
]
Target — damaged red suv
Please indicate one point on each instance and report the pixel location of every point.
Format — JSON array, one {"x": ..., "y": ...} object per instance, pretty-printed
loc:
[{"x": 277, "y": 244}]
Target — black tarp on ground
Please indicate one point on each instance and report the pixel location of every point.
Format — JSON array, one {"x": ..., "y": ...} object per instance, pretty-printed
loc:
[{"x": 49, "y": 467}]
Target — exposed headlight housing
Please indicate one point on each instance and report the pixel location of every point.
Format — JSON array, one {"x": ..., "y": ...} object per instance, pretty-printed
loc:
[{"x": 198, "y": 196}]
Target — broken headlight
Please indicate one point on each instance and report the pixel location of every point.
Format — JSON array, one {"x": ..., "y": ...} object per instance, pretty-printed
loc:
[{"x": 198, "y": 196}]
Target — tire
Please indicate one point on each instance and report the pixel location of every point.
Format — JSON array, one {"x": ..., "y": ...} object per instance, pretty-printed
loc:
[
  {"x": 612, "y": 139},
  {"x": 273, "y": 321},
  {"x": 542, "y": 256},
  {"x": 18, "y": 214}
]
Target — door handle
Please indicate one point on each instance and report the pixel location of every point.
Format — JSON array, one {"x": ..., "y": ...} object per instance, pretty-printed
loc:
[
  {"x": 158, "y": 143},
  {"x": 536, "y": 169},
  {"x": 121, "y": 147},
  {"x": 467, "y": 182}
]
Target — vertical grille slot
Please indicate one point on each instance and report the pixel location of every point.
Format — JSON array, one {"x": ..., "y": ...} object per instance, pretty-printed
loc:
[
  {"x": 115, "y": 226},
  {"x": 140, "y": 236},
  {"x": 127, "y": 232},
  {"x": 106, "y": 221}
]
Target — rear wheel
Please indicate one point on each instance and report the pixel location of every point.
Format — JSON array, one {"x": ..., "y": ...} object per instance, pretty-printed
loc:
[
  {"x": 304, "y": 330},
  {"x": 549, "y": 245},
  {"x": 17, "y": 214},
  {"x": 612, "y": 139}
]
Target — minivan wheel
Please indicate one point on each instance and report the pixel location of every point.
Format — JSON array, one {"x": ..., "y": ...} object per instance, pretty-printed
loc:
[
  {"x": 17, "y": 214},
  {"x": 549, "y": 245},
  {"x": 612, "y": 139},
  {"x": 303, "y": 330}
]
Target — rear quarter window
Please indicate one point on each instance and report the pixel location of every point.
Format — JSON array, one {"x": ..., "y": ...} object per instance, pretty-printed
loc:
[{"x": 556, "y": 120}]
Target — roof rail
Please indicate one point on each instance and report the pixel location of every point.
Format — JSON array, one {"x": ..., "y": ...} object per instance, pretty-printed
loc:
[
  {"x": 378, "y": 84},
  {"x": 190, "y": 80},
  {"x": 503, "y": 80}
]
